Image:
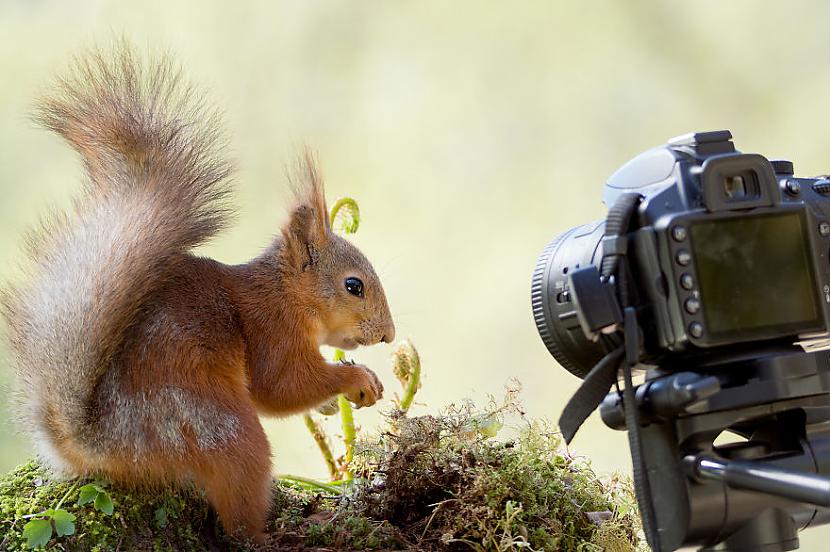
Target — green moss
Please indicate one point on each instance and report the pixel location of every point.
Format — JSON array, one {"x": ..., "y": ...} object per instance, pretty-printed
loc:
[
  {"x": 443, "y": 481},
  {"x": 30, "y": 489},
  {"x": 428, "y": 483},
  {"x": 177, "y": 520},
  {"x": 355, "y": 533}
]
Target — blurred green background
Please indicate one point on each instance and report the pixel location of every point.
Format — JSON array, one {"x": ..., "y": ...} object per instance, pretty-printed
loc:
[{"x": 471, "y": 133}]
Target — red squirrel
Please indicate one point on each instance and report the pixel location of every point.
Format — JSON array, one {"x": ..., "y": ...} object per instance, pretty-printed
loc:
[{"x": 140, "y": 361}]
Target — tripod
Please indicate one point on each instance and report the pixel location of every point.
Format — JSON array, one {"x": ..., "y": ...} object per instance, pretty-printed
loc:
[{"x": 752, "y": 494}]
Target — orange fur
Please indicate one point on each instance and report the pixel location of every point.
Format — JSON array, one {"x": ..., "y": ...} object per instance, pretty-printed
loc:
[{"x": 136, "y": 359}]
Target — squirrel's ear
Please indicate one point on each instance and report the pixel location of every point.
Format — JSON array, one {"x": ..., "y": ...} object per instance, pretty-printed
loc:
[{"x": 308, "y": 228}]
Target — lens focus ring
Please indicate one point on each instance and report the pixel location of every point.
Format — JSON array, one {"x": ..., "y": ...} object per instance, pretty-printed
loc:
[{"x": 553, "y": 309}]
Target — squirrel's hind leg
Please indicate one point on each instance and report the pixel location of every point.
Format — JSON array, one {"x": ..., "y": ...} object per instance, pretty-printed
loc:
[
  {"x": 237, "y": 479},
  {"x": 211, "y": 436}
]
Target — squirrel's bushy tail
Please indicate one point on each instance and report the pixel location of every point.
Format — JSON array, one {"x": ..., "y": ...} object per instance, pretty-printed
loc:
[{"x": 156, "y": 188}]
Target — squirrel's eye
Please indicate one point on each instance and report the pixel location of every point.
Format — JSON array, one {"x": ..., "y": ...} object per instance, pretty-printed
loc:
[{"x": 354, "y": 286}]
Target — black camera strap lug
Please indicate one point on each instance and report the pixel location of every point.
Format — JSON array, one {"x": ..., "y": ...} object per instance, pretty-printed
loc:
[{"x": 614, "y": 245}]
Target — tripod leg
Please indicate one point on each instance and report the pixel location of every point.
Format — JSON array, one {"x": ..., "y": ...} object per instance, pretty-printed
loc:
[{"x": 771, "y": 531}]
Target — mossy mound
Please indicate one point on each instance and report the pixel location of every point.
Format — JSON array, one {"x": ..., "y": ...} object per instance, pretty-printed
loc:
[
  {"x": 164, "y": 520},
  {"x": 179, "y": 520},
  {"x": 444, "y": 483},
  {"x": 428, "y": 483}
]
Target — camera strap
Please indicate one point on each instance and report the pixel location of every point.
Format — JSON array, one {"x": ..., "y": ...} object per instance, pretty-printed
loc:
[
  {"x": 604, "y": 374},
  {"x": 596, "y": 385},
  {"x": 642, "y": 487}
]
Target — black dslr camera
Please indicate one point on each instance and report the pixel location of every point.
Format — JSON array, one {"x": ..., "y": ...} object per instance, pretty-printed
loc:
[{"x": 712, "y": 274}]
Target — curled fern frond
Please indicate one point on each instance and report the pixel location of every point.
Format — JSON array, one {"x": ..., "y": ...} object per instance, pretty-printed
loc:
[{"x": 345, "y": 215}]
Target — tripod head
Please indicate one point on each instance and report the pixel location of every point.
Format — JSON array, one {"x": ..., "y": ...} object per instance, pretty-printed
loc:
[{"x": 756, "y": 492}]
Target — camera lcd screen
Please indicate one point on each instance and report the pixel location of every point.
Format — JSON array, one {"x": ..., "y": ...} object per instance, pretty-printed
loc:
[{"x": 755, "y": 275}]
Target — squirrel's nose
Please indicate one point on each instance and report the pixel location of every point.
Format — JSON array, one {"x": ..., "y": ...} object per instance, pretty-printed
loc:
[{"x": 389, "y": 334}]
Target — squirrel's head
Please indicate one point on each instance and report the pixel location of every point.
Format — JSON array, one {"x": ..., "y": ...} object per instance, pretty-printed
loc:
[{"x": 336, "y": 282}]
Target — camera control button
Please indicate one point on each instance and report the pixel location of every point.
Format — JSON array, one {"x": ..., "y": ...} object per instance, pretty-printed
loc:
[
  {"x": 683, "y": 257},
  {"x": 782, "y": 166},
  {"x": 696, "y": 329},
  {"x": 692, "y": 305},
  {"x": 822, "y": 187},
  {"x": 792, "y": 187},
  {"x": 824, "y": 228},
  {"x": 678, "y": 233},
  {"x": 687, "y": 281}
]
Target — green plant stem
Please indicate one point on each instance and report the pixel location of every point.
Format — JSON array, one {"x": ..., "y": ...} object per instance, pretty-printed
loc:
[
  {"x": 414, "y": 380},
  {"x": 66, "y": 495},
  {"x": 311, "y": 483},
  {"x": 347, "y": 422},
  {"x": 350, "y": 226},
  {"x": 322, "y": 443}
]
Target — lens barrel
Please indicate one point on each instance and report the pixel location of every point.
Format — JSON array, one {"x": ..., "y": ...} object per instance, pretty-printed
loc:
[{"x": 553, "y": 308}]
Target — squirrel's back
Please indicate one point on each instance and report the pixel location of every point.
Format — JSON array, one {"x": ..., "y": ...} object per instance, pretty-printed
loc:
[{"x": 156, "y": 188}]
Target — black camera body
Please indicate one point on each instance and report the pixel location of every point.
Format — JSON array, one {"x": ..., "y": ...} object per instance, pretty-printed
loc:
[
  {"x": 729, "y": 249},
  {"x": 712, "y": 274}
]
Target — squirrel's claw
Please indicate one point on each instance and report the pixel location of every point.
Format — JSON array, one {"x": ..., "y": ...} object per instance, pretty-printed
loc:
[{"x": 368, "y": 389}]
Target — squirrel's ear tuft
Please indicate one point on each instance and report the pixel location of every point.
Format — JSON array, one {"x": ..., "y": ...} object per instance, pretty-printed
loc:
[{"x": 308, "y": 228}]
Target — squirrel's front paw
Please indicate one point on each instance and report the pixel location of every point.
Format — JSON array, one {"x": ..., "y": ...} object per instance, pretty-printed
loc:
[{"x": 367, "y": 388}]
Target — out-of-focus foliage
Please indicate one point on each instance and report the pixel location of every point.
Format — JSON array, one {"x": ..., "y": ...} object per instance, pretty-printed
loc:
[{"x": 470, "y": 132}]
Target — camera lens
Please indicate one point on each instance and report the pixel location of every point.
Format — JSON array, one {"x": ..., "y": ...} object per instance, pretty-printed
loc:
[{"x": 553, "y": 310}]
